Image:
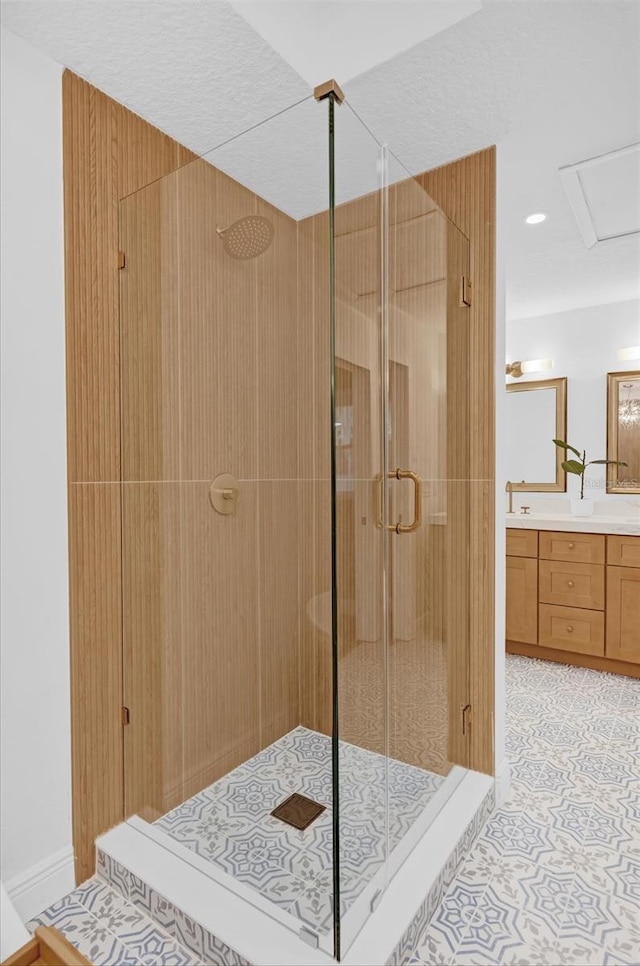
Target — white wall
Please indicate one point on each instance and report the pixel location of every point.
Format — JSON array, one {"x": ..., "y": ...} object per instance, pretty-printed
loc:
[
  {"x": 500, "y": 755},
  {"x": 584, "y": 347},
  {"x": 35, "y": 784}
]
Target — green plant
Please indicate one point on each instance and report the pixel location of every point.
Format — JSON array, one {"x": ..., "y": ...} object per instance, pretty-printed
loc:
[{"x": 578, "y": 467}]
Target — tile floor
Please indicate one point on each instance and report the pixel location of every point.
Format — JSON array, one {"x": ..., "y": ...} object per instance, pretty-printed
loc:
[
  {"x": 110, "y": 931},
  {"x": 230, "y": 824},
  {"x": 555, "y": 876},
  {"x": 553, "y": 879}
]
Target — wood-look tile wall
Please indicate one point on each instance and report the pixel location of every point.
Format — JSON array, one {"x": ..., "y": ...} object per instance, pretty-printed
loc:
[
  {"x": 188, "y": 618},
  {"x": 219, "y": 626},
  {"x": 466, "y": 191},
  {"x": 209, "y": 370},
  {"x": 108, "y": 153}
]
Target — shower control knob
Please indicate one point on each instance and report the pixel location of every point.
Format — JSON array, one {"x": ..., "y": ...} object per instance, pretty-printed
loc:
[{"x": 224, "y": 493}]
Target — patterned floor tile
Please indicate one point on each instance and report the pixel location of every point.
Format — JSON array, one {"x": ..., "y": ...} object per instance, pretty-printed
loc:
[
  {"x": 230, "y": 823},
  {"x": 555, "y": 875},
  {"x": 554, "y": 878},
  {"x": 110, "y": 931}
]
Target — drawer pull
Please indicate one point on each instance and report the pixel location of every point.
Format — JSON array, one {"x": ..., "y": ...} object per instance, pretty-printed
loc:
[
  {"x": 569, "y": 583},
  {"x": 571, "y": 546},
  {"x": 569, "y": 629}
]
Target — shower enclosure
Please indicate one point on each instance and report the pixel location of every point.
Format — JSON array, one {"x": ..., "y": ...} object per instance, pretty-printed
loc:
[{"x": 295, "y": 508}]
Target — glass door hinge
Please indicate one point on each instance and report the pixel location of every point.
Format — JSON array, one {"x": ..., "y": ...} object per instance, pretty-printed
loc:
[
  {"x": 125, "y": 716},
  {"x": 309, "y": 937},
  {"x": 465, "y": 290},
  {"x": 375, "y": 900}
]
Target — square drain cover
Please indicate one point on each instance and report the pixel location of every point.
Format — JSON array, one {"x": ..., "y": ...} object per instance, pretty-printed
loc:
[{"x": 298, "y": 811}]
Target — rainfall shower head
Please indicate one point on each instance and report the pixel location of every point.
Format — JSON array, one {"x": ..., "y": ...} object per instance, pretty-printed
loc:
[{"x": 248, "y": 237}]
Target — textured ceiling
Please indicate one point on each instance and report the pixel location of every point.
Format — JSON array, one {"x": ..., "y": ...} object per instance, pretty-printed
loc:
[
  {"x": 317, "y": 36},
  {"x": 550, "y": 82}
]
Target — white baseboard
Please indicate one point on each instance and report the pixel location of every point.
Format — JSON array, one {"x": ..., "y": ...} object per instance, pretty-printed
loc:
[
  {"x": 42, "y": 884},
  {"x": 503, "y": 782}
]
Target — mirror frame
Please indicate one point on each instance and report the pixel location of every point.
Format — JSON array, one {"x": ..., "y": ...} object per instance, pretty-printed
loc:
[
  {"x": 614, "y": 379},
  {"x": 560, "y": 386}
]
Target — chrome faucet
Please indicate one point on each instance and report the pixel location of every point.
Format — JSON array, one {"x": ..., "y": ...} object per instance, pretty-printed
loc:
[{"x": 509, "y": 489}]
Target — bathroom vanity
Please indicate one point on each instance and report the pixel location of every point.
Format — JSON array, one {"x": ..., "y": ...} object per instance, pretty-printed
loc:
[{"x": 574, "y": 596}]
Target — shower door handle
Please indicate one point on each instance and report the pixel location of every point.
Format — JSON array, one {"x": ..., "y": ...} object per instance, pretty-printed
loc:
[{"x": 417, "y": 500}]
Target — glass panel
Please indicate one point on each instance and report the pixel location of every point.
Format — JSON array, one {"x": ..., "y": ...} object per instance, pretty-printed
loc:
[
  {"x": 428, "y": 450},
  {"x": 225, "y": 510},
  {"x": 402, "y": 526},
  {"x": 359, "y": 486},
  {"x": 282, "y": 634}
]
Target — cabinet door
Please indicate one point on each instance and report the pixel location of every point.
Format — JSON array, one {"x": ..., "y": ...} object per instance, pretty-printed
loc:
[
  {"x": 522, "y": 600},
  {"x": 623, "y": 613}
]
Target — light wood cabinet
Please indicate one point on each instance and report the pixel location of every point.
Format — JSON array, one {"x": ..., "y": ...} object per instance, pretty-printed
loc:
[
  {"x": 522, "y": 599},
  {"x": 522, "y": 543},
  {"x": 623, "y": 551},
  {"x": 585, "y": 548},
  {"x": 572, "y": 629},
  {"x": 574, "y": 597},
  {"x": 623, "y": 613},
  {"x": 572, "y": 584}
]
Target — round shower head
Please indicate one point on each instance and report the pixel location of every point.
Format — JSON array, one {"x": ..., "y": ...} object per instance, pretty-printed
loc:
[{"x": 248, "y": 237}]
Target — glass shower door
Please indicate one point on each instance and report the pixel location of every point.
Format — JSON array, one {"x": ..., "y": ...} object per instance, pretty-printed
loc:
[
  {"x": 427, "y": 455},
  {"x": 402, "y": 499}
]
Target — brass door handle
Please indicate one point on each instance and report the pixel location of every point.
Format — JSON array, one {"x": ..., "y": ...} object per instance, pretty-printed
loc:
[{"x": 417, "y": 500}]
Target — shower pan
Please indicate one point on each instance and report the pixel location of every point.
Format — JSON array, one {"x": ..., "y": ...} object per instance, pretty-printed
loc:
[{"x": 295, "y": 514}]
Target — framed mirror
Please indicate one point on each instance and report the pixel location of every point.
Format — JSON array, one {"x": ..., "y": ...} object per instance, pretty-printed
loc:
[
  {"x": 536, "y": 414},
  {"x": 623, "y": 431}
]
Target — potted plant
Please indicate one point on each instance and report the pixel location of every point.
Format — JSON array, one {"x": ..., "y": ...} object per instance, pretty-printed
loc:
[{"x": 581, "y": 507}]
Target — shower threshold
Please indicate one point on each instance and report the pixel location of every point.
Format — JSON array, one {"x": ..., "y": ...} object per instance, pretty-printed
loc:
[
  {"x": 230, "y": 824},
  {"x": 221, "y": 924}
]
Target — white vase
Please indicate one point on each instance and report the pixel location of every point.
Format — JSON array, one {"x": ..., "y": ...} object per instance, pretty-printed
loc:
[{"x": 582, "y": 508}]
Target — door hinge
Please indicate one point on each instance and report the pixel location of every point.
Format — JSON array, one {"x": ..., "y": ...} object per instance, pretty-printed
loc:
[
  {"x": 125, "y": 716},
  {"x": 465, "y": 290},
  {"x": 121, "y": 259},
  {"x": 466, "y": 719}
]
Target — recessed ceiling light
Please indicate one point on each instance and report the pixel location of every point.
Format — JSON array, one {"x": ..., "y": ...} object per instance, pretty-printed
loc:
[{"x": 536, "y": 218}]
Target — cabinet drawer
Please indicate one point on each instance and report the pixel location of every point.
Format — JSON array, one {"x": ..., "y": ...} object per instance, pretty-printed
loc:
[
  {"x": 571, "y": 629},
  {"x": 585, "y": 548},
  {"x": 623, "y": 551},
  {"x": 522, "y": 543},
  {"x": 571, "y": 584},
  {"x": 623, "y": 613}
]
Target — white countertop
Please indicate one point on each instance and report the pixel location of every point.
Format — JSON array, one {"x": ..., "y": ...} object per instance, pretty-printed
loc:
[{"x": 598, "y": 523}]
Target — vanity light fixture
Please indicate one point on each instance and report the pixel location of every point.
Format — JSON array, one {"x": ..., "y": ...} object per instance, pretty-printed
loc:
[
  {"x": 536, "y": 218},
  {"x": 517, "y": 369},
  {"x": 630, "y": 354}
]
